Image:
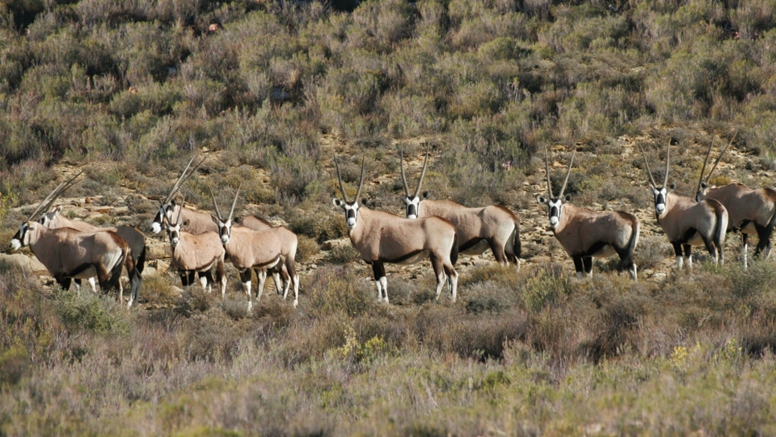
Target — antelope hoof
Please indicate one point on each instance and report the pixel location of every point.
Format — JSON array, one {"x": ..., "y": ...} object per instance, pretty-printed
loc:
[{"x": 296, "y": 303}]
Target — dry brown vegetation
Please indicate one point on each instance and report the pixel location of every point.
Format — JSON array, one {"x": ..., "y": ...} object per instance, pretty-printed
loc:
[{"x": 130, "y": 89}]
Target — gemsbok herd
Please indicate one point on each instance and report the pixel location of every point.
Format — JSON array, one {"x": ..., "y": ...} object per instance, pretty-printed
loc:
[{"x": 437, "y": 230}]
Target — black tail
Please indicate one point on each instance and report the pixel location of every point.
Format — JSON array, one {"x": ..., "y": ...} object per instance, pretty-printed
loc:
[
  {"x": 115, "y": 275},
  {"x": 454, "y": 250},
  {"x": 140, "y": 262},
  {"x": 627, "y": 260},
  {"x": 135, "y": 285},
  {"x": 765, "y": 236},
  {"x": 516, "y": 248}
]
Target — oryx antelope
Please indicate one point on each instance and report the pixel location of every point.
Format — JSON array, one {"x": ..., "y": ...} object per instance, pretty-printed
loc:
[
  {"x": 201, "y": 222},
  {"x": 134, "y": 238},
  {"x": 479, "y": 229},
  {"x": 67, "y": 253},
  {"x": 380, "y": 238},
  {"x": 258, "y": 250},
  {"x": 196, "y": 253},
  {"x": 753, "y": 212},
  {"x": 585, "y": 233},
  {"x": 686, "y": 222}
]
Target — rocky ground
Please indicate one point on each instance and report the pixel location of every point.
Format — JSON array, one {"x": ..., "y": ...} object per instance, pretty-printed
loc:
[{"x": 128, "y": 206}]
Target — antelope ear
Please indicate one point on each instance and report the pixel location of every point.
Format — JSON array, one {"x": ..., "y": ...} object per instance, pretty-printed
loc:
[
  {"x": 336, "y": 202},
  {"x": 185, "y": 224},
  {"x": 58, "y": 208},
  {"x": 704, "y": 185},
  {"x": 672, "y": 186},
  {"x": 426, "y": 194},
  {"x": 541, "y": 199},
  {"x": 364, "y": 201},
  {"x": 567, "y": 197},
  {"x": 215, "y": 219}
]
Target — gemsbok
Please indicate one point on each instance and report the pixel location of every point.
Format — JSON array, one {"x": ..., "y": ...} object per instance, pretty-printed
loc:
[
  {"x": 67, "y": 253},
  {"x": 258, "y": 250},
  {"x": 753, "y": 212},
  {"x": 380, "y": 237},
  {"x": 196, "y": 253},
  {"x": 479, "y": 229},
  {"x": 54, "y": 219},
  {"x": 585, "y": 233},
  {"x": 201, "y": 222},
  {"x": 688, "y": 223}
]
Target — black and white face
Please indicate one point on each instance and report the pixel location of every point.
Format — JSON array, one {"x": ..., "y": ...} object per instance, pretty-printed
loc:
[
  {"x": 165, "y": 211},
  {"x": 174, "y": 232},
  {"x": 21, "y": 238},
  {"x": 47, "y": 219},
  {"x": 701, "y": 194},
  {"x": 412, "y": 204},
  {"x": 224, "y": 229},
  {"x": 554, "y": 207},
  {"x": 351, "y": 211},
  {"x": 660, "y": 200}
]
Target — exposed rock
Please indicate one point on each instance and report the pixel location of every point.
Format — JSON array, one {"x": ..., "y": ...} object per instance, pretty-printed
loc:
[{"x": 27, "y": 263}]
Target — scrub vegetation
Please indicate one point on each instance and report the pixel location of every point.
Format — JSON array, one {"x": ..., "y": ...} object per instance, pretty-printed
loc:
[{"x": 130, "y": 89}]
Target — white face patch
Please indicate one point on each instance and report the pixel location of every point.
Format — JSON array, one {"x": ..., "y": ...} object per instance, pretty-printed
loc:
[
  {"x": 555, "y": 211},
  {"x": 225, "y": 236},
  {"x": 351, "y": 213},
  {"x": 412, "y": 207},
  {"x": 660, "y": 200}
]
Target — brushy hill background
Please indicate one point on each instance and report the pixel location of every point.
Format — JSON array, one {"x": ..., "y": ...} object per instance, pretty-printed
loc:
[{"x": 131, "y": 88}]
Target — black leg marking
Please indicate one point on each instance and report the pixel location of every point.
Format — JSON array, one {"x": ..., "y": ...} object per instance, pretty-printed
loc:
[
  {"x": 588, "y": 262},
  {"x": 378, "y": 268},
  {"x": 687, "y": 251},
  {"x": 677, "y": 248},
  {"x": 578, "y": 265}
]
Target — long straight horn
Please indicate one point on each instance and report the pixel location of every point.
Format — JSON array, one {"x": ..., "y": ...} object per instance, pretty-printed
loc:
[
  {"x": 568, "y": 173},
  {"x": 193, "y": 170},
  {"x": 646, "y": 163},
  {"x": 422, "y": 173},
  {"x": 215, "y": 204},
  {"x": 720, "y": 156},
  {"x": 668, "y": 162},
  {"x": 339, "y": 178},
  {"x": 361, "y": 182},
  {"x": 178, "y": 182},
  {"x": 52, "y": 197},
  {"x": 403, "y": 178},
  {"x": 180, "y": 213},
  {"x": 234, "y": 202},
  {"x": 547, "y": 170},
  {"x": 705, "y": 161}
]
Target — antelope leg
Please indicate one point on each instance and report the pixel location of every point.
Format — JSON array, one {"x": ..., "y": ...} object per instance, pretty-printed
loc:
[
  {"x": 745, "y": 239},
  {"x": 262, "y": 276},
  {"x": 378, "y": 268}
]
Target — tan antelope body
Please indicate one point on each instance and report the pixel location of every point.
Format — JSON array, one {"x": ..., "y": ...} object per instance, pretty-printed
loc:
[
  {"x": 200, "y": 222},
  {"x": 688, "y": 223},
  {"x": 134, "y": 238},
  {"x": 67, "y": 253},
  {"x": 198, "y": 253},
  {"x": 258, "y": 250},
  {"x": 71, "y": 254},
  {"x": 752, "y": 212},
  {"x": 380, "y": 237},
  {"x": 479, "y": 229},
  {"x": 586, "y": 234}
]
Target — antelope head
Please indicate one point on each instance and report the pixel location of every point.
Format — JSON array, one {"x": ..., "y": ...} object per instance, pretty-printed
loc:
[
  {"x": 555, "y": 204},
  {"x": 350, "y": 208},
  {"x": 167, "y": 205},
  {"x": 47, "y": 219},
  {"x": 703, "y": 182},
  {"x": 174, "y": 229},
  {"x": 412, "y": 202},
  {"x": 659, "y": 192},
  {"x": 21, "y": 238},
  {"x": 224, "y": 226}
]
